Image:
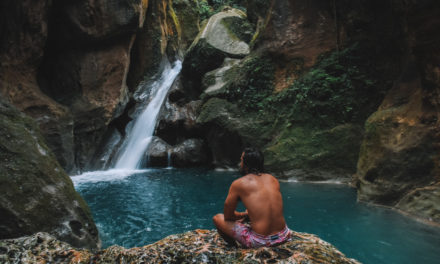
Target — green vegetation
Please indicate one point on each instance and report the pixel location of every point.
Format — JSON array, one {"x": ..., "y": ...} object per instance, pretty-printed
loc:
[
  {"x": 314, "y": 124},
  {"x": 310, "y": 148},
  {"x": 207, "y": 8},
  {"x": 239, "y": 27},
  {"x": 219, "y": 4},
  {"x": 251, "y": 83},
  {"x": 337, "y": 90}
]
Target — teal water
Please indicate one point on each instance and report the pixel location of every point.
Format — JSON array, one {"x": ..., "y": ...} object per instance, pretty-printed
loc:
[{"x": 147, "y": 206}]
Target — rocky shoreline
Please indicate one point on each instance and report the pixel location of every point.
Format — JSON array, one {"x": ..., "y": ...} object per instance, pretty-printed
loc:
[{"x": 198, "y": 246}]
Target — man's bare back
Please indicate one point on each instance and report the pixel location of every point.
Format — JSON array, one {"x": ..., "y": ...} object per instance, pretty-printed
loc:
[{"x": 260, "y": 194}]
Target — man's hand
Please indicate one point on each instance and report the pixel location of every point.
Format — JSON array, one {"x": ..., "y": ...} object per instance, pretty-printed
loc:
[{"x": 240, "y": 215}]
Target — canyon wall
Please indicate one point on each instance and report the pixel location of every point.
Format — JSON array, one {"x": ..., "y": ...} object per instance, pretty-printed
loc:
[
  {"x": 399, "y": 163},
  {"x": 329, "y": 90},
  {"x": 72, "y": 65}
]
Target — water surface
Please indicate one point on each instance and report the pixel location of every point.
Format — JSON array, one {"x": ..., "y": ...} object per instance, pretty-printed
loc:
[{"x": 134, "y": 209}]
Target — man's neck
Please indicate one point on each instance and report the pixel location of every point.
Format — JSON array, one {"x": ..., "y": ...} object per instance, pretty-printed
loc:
[{"x": 253, "y": 174}]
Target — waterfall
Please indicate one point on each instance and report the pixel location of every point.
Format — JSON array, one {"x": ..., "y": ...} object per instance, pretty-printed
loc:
[{"x": 139, "y": 137}]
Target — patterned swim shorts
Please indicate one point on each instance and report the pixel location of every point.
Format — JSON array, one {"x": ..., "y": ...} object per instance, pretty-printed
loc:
[{"x": 249, "y": 239}]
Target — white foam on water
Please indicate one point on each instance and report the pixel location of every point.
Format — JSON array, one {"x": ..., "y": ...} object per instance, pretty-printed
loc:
[
  {"x": 104, "y": 176},
  {"x": 226, "y": 169}
]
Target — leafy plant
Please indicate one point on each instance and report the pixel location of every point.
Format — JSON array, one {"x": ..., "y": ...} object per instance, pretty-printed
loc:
[
  {"x": 211, "y": 7},
  {"x": 205, "y": 10},
  {"x": 336, "y": 90},
  {"x": 251, "y": 83}
]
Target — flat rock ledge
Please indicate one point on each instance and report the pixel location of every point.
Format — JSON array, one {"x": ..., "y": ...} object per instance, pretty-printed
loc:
[{"x": 199, "y": 246}]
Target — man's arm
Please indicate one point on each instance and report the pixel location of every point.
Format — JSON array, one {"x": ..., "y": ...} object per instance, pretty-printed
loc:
[{"x": 231, "y": 203}]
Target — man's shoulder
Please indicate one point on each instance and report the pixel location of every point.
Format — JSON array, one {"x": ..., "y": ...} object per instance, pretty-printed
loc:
[{"x": 237, "y": 182}]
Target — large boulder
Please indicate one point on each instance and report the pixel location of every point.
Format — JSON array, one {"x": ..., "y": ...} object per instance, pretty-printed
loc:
[
  {"x": 219, "y": 118},
  {"x": 199, "y": 246},
  {"x": 176, "y": 123},
  {"x": 214, "y": 82},
  {"x": 191, "y": 152},
  {"x": 224, "y": 35},
  {"x": 158, "y": 153},
  {"x": 37, "y": 195}
]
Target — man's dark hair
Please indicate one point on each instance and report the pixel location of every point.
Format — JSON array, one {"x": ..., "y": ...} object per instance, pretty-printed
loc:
[{"x": 253, "y": 159}]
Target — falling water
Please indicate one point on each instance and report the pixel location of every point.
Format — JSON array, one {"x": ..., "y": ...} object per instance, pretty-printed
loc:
[
  {"x": 169, "y": 159},
  {"x": 139, "y": 137}
]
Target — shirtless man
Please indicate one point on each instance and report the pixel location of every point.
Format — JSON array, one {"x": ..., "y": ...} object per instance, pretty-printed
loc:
[{"x": 260, "y": 194}]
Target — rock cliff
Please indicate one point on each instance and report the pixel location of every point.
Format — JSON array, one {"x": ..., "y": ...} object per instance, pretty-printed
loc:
[
  {"x": 36, "y": 194},
  {"x": 199, "y": 246},
  {"x": 72, "y": 65},
  {"x": 399, "y": 161}
]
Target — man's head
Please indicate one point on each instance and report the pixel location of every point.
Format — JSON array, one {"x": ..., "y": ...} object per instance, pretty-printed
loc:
[{"x": 252, "y": 161}]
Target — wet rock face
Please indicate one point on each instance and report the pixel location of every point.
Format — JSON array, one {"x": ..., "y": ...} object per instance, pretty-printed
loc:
[
  {"x": 85, "y": 66},
  {"x": 225, "y": 131},
  {"x": 422, "y": 202},
  {"x": 157, "y": 153},
  {"x": 188, "y": 15},
  {"x": 191, "y": 152},
  {"x": 399, "y": 159},
  {"x": 158, "y": 37},
  {"x": 37, "y": 195},
  {"x": 23, "y": 31},
  {"x": 91, "y": 20},
  {"x": 178, "y": 122},
  {"x": 199, "y": 246},
  {"x": 399, "y": 151},
  {"x": 298, "y": 29}
]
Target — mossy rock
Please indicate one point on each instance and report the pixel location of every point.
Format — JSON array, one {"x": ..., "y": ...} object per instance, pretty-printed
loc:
[
  {"x": 198, "y": 246},
  {"x": 320, "y": 154},
  {"x": 307, "y": 152},
  {"x": 215, "y": 82},
  {"x": 37, "y": 195},
  {"x": 188, "y": 17},
  {"x": 422, "y": 202},
  {"x": 214, "y": 42},
  {"x": 396, "y": 156}
]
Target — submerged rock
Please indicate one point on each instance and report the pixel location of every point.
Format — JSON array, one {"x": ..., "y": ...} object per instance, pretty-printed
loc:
[
  {"x": 199, "y": 246},
  {"x": 422, "y": 202},
  {"x": 36, "y": 194}
]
